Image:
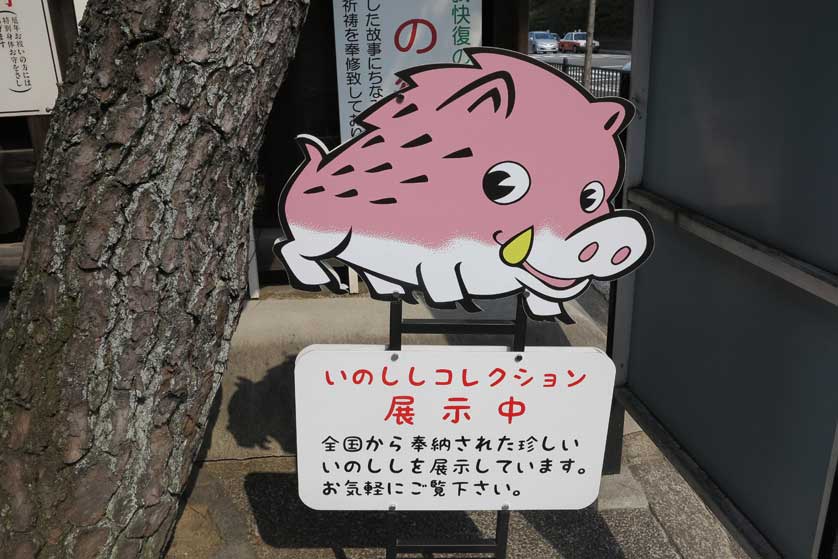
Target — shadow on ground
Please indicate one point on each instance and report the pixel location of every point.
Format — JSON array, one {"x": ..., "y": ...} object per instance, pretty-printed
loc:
[
  {"x": 264, "y": 410},
  {"x": 283, "y": 520},
  {"x": 581, "y": 534},
  {"x": 261, "y": 412}
]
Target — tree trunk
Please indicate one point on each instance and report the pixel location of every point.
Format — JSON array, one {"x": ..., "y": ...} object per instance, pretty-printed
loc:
[
  {"x": 133, "y": 273},
  {"x": 589, "y": 45}
]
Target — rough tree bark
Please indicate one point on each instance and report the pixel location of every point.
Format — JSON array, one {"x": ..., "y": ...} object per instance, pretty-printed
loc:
[{"x": 133, "y": 274}]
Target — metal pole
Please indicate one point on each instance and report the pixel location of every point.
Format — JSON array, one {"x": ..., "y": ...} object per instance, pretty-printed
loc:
[
  {"x": 520, "y": 340},
  {"x": 625, "y": 84},
  {"x": 252, "y": 266},
  {"x": 589, "y": 45},
  {"x": 613, "y": 461}
]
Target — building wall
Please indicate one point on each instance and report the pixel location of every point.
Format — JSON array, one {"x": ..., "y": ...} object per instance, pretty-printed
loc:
[{"x": 738, "y": 364}]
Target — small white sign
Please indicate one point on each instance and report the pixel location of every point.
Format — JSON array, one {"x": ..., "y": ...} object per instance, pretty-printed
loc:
[
  {"x": 376, "y": 38},
  {"x": 451, "y": 428},
  {"x": 29, "y": 73},
  {"x": 80, "y": 5}
]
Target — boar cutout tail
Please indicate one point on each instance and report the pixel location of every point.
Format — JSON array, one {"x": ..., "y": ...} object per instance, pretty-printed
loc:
[
  {"x": 313, "y": 149},
  {"x": 309, "y": 273}
]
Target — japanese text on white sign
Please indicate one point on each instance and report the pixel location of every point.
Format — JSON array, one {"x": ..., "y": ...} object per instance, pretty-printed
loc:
[
  {"x": 29, "y": 74},
  {"x": 376, "y": 38},
  {"x": 451, "y": 428}
]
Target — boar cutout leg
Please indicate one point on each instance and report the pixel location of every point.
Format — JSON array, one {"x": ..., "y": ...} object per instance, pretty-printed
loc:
[
  {"x": 305, "y": 272},
  {"x": 381, "y": 288},
  {"x": 542, "y": 309},
  {"x": 440, "y": 283},
  {"x": 337, "y": 285}
]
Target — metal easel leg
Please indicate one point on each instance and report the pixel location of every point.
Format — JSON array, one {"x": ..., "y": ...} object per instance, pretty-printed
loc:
[
  {"x": 392, "y": 533},
  {"x": 502, "y": 533},
  {"x": 520, "y": 340},
  {"x": 395, "y": 325},
  {"x": 501, "y": 541}
]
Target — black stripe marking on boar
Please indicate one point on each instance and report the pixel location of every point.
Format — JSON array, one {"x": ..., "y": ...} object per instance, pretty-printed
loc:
[
  {"x": 420, "y": 141},
  {"x": 372, "y": 141},
  {"x": 412, "y": 108},
  {"x": 465, "y": 152},
  {"x": 379, "y": 168},
  {"x": 343, "y": 170},
  {"x": 420, "y": 178},
  {"x": 384, "y": 201},
  {"x": 348, "y": 194},
  {"x": 314, "y": 190}
]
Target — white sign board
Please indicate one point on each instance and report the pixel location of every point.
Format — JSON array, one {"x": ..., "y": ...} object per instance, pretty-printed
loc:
[
  {"x": 376, "y": 38},
  {"x": 80, "y": 6},
  {"x": 451, "y": 428},
  {"x": 29, "y": 73}
]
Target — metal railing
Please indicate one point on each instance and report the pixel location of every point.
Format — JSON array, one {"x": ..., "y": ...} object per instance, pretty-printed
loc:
[{"x": 605, "y": 82}]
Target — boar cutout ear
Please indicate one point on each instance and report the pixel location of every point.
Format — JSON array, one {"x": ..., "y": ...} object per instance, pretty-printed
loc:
[
  {"x": 312, "y": 148},
  {"x": 496, "y": 90},
  {"x": 614, "y": 115}
]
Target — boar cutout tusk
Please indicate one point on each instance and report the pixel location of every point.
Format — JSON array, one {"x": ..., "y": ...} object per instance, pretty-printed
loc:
[{"x": 516, "y": 249}]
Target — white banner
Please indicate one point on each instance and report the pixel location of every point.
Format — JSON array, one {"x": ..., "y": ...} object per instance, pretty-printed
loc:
[
  {"x": 376, "y": 38},
  {"x": 29, "y": 73},
  {"x": 451, "y": 428}
]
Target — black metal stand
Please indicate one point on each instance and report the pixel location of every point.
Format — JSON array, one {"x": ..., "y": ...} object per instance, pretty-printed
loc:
[
  {"x": 518, "y": 329},
  {"x": 496, "y": 547}
]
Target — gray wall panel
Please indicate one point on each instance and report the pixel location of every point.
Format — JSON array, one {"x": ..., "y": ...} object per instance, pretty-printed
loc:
[
  {"x": 742, "y": 124},
  {"x": 742, "y": 368}
]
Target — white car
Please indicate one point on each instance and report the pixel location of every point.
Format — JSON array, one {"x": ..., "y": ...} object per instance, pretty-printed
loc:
[
  {"x": 543, "y": 42},
  {"x": 576, "y": 41}
]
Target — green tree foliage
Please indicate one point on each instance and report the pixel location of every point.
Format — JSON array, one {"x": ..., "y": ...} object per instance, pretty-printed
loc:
[{"x": 613, "y": 17}]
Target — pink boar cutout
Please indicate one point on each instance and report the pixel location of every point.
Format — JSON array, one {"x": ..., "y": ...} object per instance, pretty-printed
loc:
[{"x": 474, "y": 181}]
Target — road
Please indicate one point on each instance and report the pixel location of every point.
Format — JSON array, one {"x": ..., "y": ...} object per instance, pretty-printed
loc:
[{"x": 612, "y": 61}]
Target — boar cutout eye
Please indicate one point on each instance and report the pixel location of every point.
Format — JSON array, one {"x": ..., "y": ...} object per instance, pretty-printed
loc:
[
  {"x": 592, "y": 196},
  {"x": 506, "y": 183}
]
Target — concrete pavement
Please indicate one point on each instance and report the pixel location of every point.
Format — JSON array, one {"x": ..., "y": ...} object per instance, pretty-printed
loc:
[
  {"x": 250, "y": 508},
  {"x": 245, "y": 504},
  {"x": 256, "y": 408},
  {"x": 243, "y": 501}
]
